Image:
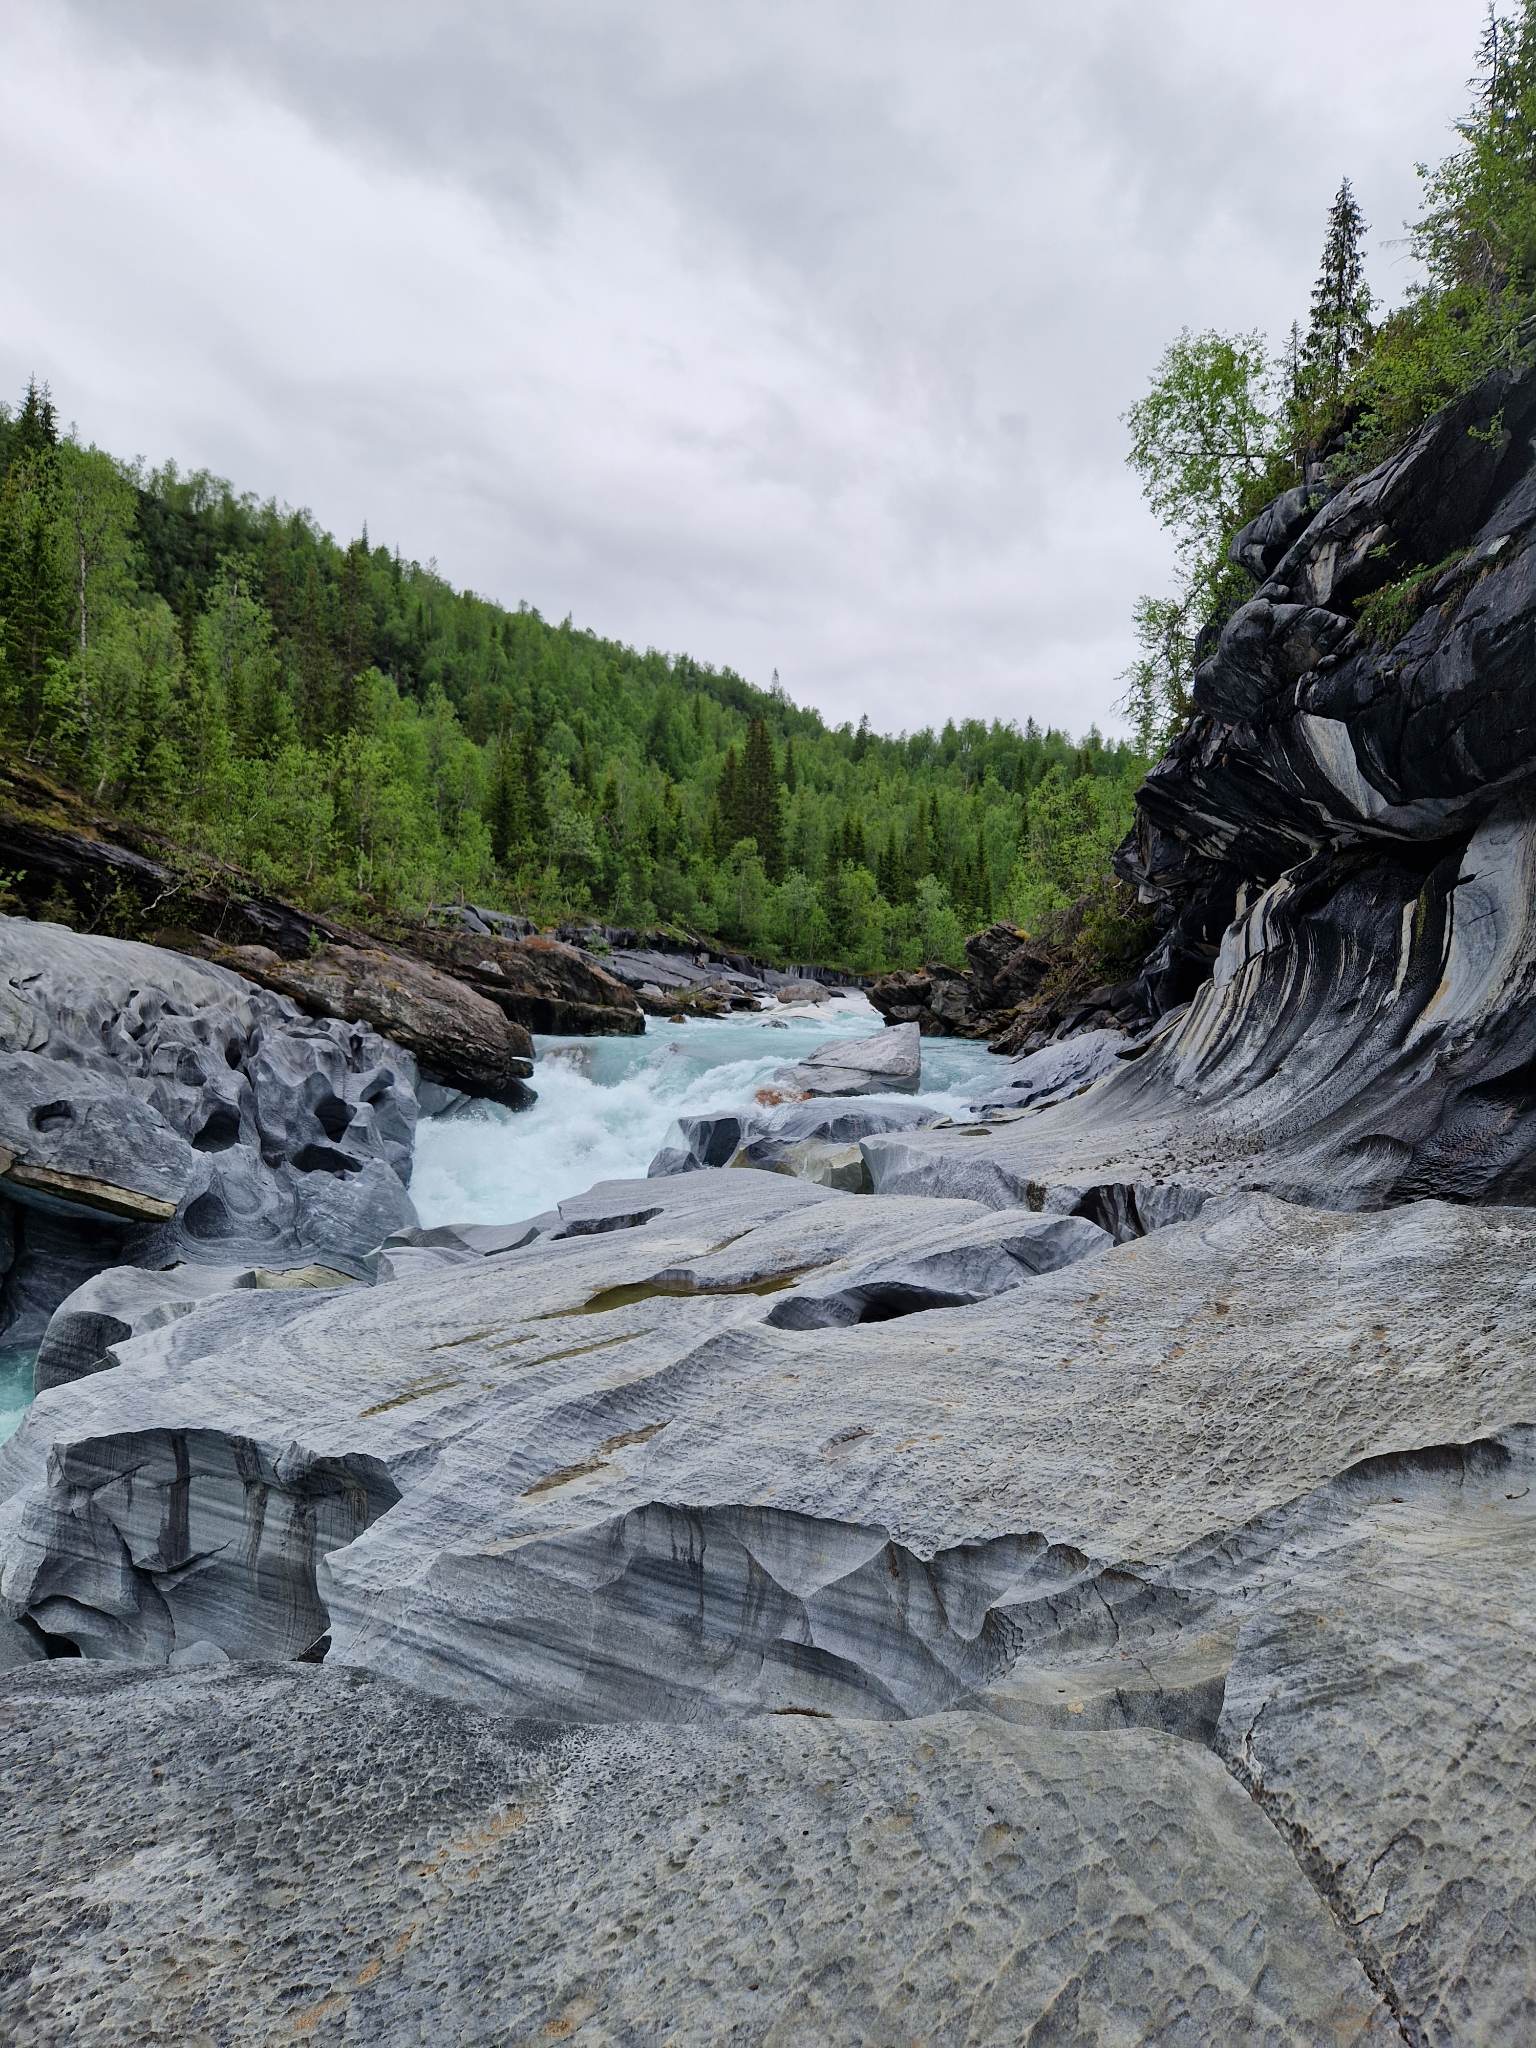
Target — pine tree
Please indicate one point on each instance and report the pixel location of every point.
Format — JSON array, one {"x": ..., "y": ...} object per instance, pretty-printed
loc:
[
  {"x": 762, "y": 805},
  {"x": 1340, "y": 325},
  {"x": 506, "y": 809},
  {"x": 791, "y": 772},
  {"x": 535, "y": 803}
]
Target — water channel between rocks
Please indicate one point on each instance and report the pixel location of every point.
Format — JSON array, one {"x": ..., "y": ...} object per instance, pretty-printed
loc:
[
  {"x": 606, "y": 1104},
  {"x": 604, "y": 1108}
]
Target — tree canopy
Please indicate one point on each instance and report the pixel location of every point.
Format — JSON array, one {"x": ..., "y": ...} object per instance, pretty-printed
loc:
[{"x": 352, "y": 730}]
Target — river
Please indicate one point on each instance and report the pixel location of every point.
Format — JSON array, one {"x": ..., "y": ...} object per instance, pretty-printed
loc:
[
  {"x": 606, "y": 1104},
  {"x": 604, "y": 1108}
]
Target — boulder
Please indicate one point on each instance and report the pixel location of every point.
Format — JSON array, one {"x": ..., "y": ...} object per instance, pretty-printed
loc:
[
  {"x": 537, "y": 982},
  {"x": 803, "y": 992},
  {"x": 890, "y": 1063},
  {"x": 155, "y": 1108},
  {"x": 461, "y": 1039},
  {"x": 767, "y": 1136}
]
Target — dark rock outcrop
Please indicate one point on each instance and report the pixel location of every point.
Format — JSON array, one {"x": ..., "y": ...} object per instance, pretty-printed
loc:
[
  {"x": 458, "y": 1036},
  {"x": 1005, "y": 968},
  {"x": 539, "y": 983}
]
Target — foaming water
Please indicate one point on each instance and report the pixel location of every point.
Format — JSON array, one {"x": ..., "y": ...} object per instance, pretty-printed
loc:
[
  {"x": 15, "y": 1388},
  {"x": 606, "y": 1104}
]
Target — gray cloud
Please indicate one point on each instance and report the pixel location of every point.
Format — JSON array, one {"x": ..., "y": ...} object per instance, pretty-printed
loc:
[{"x": 794, "y": 337}]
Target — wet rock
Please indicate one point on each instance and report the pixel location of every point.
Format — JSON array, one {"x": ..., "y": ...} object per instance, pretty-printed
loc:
[
  {"x": 887, "y": 1064},
  {"x": 766, "y": 1136}
]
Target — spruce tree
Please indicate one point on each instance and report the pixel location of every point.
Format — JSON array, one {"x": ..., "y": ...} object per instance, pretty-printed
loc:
[
  {"x": 1340, "y": 325},
  {"x": 535, "y": 803},
  {"x": 727, "y": 824},
  {"x": 506, "y": 809},
  {"x": 762, "y": 806}
]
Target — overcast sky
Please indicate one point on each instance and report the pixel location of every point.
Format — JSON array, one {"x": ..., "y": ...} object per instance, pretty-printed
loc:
[{"x": 788, "y": 335}]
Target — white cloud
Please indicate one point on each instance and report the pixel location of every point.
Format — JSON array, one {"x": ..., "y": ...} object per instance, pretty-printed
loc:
[{"x": 791, "y": 337}]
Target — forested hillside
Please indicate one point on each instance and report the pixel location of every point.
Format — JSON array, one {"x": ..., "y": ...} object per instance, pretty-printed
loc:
[{"x": 354, "y": 731}]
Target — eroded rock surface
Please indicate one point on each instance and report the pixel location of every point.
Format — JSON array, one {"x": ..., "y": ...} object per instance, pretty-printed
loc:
[
  {"x": 460, "y": 1038},
  {"x": 942, "y": 1882},
  {"x": 1241, "y": 1505},
  {"x": 155, "y": 1108}
]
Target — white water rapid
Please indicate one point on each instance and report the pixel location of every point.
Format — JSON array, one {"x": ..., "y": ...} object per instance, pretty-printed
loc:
[{"x": 606, "y": 1104}]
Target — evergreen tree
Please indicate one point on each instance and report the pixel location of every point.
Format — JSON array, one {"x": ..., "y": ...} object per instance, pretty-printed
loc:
[
  {"x": 1340, "y": 325},
  {"x": 729, "y": 821},
  {"x": 535, "y": 800},
  {"x": 506, "y": 808},
  {"x": 762, "y": 805},
  {"x": 34, "y": 586}
]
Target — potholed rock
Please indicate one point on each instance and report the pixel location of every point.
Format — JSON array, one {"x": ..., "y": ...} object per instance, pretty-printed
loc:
[{"x": 155, "y": 1108}]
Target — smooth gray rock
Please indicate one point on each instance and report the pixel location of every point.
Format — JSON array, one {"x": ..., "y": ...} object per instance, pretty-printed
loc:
[
  {"x": 1246, "y": 1489},
  {"x": 950, "y": 1268},
  {"x": 1382, "y": 1709},
  {"x": 155, "y": 1108},
  {"x": 887, "y": 1064},
  {"x": 1055, "y": 1072},
  {"x": 771, "y": 1136},
  {"x": 127, "y": 1301},
  {"x": 946, "y": 1883}
]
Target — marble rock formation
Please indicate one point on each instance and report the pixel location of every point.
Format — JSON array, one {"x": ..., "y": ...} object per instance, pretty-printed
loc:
[
  {"x": 460, "y": 1039},
  {"x": 923, "y": 1885},
  {"x": 775, "y": 1135},
  {"x": 1171, "y": 1515},
  {"x": 887, "y": 1064},
  {"x": 155, "y": 1108}
]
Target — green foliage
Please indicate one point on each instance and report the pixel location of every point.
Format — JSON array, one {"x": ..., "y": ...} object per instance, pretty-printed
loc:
[
  {"x": 1476, "y": 239},
  {"x": 1222, "y": 430},
  {"x": 1340, "y": 326},
  {"x": 1208, "y": 442},
  {"x": 353, "y": 732},
  {"x": 1387, "y": 614},
  {"x": 1204, "y": 431}
]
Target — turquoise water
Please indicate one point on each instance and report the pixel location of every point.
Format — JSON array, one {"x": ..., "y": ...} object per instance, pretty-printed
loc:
[
  {"x": 606, "y": 1105},
  {"x": 15, "y": 1388}
]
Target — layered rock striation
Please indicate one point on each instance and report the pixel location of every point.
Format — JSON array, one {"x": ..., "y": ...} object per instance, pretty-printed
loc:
[{"x": 1063, "y": 1574}]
